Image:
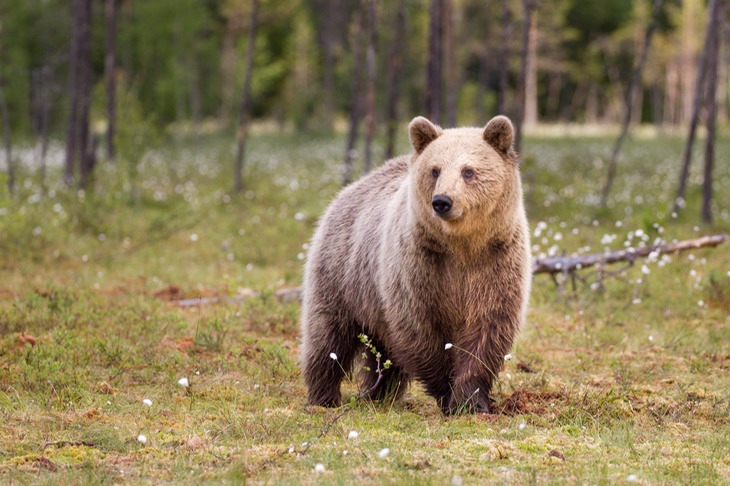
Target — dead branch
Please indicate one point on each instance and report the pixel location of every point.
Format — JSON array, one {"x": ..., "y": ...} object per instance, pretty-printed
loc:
[
  {"x": 569, "y": 264},
  {"x": 64, "y": 443},
  {"x": 565, "y": 265}
]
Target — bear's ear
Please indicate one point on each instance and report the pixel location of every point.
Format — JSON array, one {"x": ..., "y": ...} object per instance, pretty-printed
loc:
[
  {"x": 499, "y": 133},
  {"x": 422, "y": 133}
]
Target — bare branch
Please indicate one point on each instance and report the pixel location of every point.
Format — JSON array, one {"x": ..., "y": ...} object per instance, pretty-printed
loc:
[{"x": 565, "y": 264}]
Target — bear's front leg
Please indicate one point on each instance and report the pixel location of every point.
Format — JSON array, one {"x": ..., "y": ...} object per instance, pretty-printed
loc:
[
  {"x": 328, "y": 348},
  {"x": 478, "y": 357}
]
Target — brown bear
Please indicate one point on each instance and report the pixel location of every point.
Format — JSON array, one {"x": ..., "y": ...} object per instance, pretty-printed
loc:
[{"x": 430, "y": 249}]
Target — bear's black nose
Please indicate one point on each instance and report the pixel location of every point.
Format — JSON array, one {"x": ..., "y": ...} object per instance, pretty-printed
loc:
[{"x": 441, "y": 204}]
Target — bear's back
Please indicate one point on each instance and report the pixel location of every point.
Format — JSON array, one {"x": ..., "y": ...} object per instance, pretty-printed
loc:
[{"x": 343, "y": 258}]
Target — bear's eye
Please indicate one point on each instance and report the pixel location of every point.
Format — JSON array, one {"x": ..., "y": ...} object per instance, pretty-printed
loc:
[
  {"x": 435, "y": 172},
  {"x": 467, "y": 174}
]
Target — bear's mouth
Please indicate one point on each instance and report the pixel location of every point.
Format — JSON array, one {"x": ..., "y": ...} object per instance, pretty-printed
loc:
[{"x": 451, "y": 217}]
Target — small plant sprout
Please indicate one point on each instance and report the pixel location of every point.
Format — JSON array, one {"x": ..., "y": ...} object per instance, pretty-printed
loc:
[
  {"x": 448, "y": 346},
  {"x": 380, "y": 367},
  {"x": 147, "y": 402},
  {"x": 183, "y": 382},
  {"x": 141, "y": 439},
  {"x": 319, "y": 468},
  {"x": 383, "y": 453}
]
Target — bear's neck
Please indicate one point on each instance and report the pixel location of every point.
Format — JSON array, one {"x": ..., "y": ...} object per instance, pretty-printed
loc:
[{"x": 470, "y": 246}]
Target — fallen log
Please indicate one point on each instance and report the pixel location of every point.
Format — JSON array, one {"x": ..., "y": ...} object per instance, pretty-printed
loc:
[
  {"x": 569, "y": 264},
  {"x": 565, "y": 265}
]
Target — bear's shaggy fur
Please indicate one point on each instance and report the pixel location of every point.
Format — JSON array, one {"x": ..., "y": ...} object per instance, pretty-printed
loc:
[{"x": 432, "y": 248}]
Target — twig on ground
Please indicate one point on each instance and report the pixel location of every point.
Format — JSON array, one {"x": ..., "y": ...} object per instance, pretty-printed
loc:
[
  {"x": 64, "y": 443},
  {"x": 349, "y": 406}
]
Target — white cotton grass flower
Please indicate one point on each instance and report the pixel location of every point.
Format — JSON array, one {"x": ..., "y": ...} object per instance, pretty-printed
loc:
[
  {"x": 522, "y": 426},
  {"x": 333, "y": 356},
  {"x": 448, "y": 346},
  {"x": 141, "y": 439},
  {"x": 147, "y": 402},
  {"x": 183, "y": 382},
  {"x": 456, "y": 481},
  {"x": 319, "y": 468},
  {"x": 353, "y": 434},
  {"x": 383, "y": 453},
  {"x": 508, "y": 357},
  {"x": 632, "y": 478}
]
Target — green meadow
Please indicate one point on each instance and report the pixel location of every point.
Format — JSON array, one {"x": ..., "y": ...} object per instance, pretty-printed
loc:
[{"x": 614, "y": 380}]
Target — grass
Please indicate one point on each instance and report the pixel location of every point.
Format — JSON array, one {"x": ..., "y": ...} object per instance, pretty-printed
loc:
[{"x": 610, "y": 384}]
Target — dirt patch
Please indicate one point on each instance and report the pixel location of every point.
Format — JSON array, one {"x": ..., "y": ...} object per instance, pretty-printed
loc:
[
  {"x": 169, "y": 293},
  {"x": 528, "y": 402}
]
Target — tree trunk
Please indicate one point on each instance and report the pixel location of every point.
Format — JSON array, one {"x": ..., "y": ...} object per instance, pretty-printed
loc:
[
  {"x": 228, "y": 71},
  {"x": 555, "y": 88},
  {"x": 711, "y": 97},
  {"x": 327, "y": 69},
  {"x": 690, "y": 10},
  {"x": 6, "y": 142},
  {"x": 450, "y": 58},
  {"x": 355, "y": 99},
  {"x": 656, "y": 106},
  {"x": 371, "y": 11},
  {"x": 74, "y": 75},
  {"x": 531, "y": 75},
  {"x": 194, "y": 94},
  {"x": 712, "y": 25},
  {"x": 110, "y": 63},
  {"x": 591, "y": 102},
  {"x": 433, "y": 81},
  {"x": 634, "y": 85},
  {"x": 86, "y": 159},
  {"x": 246, "y": 99},
  {"x": 44, "y": 115},
  {"x": 671, "y": 94},
  {"x": 503, "y": 57},
  {"x": 529, "y": 7},
  {"x": 396, "y": 62}
]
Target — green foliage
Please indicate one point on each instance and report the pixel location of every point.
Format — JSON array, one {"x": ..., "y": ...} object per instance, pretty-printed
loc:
[
  {"x": 596, "y": 18},
  {"x": 180, "y": 62}
]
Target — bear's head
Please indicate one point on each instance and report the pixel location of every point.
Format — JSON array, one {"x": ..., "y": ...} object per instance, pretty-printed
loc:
[{"x": 465, "y": 182}]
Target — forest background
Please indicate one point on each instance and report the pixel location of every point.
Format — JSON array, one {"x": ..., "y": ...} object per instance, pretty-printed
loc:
[{"x": 180, "y": 67}]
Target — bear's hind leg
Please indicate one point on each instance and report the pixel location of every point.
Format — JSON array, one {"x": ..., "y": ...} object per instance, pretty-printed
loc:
[
  {"x": 377, "y": 382},
  {"x": 327, "y": 355}
]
